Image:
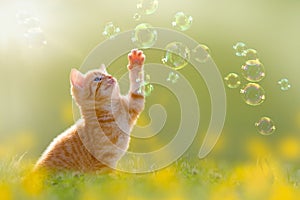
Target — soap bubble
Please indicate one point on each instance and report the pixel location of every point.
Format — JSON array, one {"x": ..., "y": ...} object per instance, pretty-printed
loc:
[
  {"x": 136, "y": 17},
  {"x": 35, "y": 37},
  {"x": 177, "y": 55},
  {"x": 173, "y": 77},
  {"x": 232, "y": 80},
  {"x": 251, "y": 54},
  {"x": 253, "y": 70},
  {"x": 147, "y": 7},
  {"x": 201, "y": 53},
  {"x": 265, "y": 126},
  {"x": 144, "y": 36},
  {"x": 284, "y": 84},
  {"x": 110, "y": 30},
  {"x": 147, "y": 78},
  {"x": 253, "y": 94},
  {"x": 148, "y": 88},
  {"x": 139, "y": 77},
  {"x": 182, "y": 21},
  {"x": 240, "y": 49}
]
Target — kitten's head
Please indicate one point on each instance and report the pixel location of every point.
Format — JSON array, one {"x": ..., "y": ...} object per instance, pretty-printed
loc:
[{"x": 96, "y": 85}]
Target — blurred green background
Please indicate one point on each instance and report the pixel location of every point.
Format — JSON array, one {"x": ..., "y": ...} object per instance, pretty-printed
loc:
[{"x": 35, "y": 92}]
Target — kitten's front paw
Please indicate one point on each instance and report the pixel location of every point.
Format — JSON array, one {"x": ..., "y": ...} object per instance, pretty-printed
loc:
[{"x": 135, "y": 58}]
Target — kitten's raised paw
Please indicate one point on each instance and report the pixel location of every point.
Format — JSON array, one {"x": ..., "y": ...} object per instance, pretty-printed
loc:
[{"x": 135, "y": 58}]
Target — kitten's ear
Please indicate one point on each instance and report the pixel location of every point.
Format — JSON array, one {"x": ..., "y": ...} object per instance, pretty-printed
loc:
[
  {"x": 103, "y": 69},
  {"x": 76, "y": 78}
]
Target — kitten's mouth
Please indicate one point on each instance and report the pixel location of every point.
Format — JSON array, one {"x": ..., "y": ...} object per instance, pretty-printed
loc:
[{"x": 110, "y": 83}]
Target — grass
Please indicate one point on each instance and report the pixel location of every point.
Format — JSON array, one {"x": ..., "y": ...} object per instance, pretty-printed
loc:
[{"x": 185, "y": 179}]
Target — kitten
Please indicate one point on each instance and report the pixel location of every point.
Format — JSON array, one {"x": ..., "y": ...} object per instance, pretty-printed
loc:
[{"x": 101, "y": 137}]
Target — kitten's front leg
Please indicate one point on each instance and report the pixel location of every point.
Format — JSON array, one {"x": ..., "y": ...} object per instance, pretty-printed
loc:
[
  {"x": 135, "y": 65},
  {"x": 136, "y": 60}
]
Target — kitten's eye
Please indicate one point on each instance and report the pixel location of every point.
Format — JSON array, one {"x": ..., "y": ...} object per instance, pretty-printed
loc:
[{"x": 97, "y": 79}]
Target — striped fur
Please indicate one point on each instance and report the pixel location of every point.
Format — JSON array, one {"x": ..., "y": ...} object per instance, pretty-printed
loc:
[{"x": 101, "y": 137}]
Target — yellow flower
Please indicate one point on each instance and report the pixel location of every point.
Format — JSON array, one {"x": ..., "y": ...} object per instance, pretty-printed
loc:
[
  {"x": 257, "y": 148},
  {"x": 166, "y": 178},
  {"x": 5, "y": 192},
  {"x": 91, "y": 194},
  {"x": 284, "y": 191},
  {"x": 33, "y": 183},
  {"x": 224, "y": 192},
  {"x": 289, "y": 148}
]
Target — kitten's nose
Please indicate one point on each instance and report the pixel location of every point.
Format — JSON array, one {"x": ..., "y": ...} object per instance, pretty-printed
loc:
[{"x": 110, "y": 77}]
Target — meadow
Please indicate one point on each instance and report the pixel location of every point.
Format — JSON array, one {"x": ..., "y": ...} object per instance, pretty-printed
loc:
[{"x": 185, "y": 179}]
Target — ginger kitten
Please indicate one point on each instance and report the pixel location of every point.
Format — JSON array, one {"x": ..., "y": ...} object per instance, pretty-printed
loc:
[{"x": 101, "y": 137}]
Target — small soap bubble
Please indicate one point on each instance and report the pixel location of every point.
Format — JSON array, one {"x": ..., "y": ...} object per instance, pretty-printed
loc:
[
  {"x": 232, "y": 80},
  {"x": 284, "y": 84},
  {"x": 182, "y": 21},
  {"x": 177, "y": 55},
  {"x": 146, "y": 85},
  {"x": 147, "y": 78},
  {"x": 148, "y": 88},
  {"x": 110, "y": 30},
  {"x": 265, "y": 126},
  {"x": 164, "y": 60},
  {"x": 253, "y": 70},
  {"x": 251, "y": 54},
  {"x": 253, "y": 94},
  {"x": 240, "y": 49},
  {"x": 173, "y": 77},
  {"x": 35, "y": 37},
  {"x": 136, "y": 17},
  {"x": 147, "y": 7},
  {"x": 139, "y": 78},
  {"x": 201, "y": 53},
  {"x": 144, "y": 36}
]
